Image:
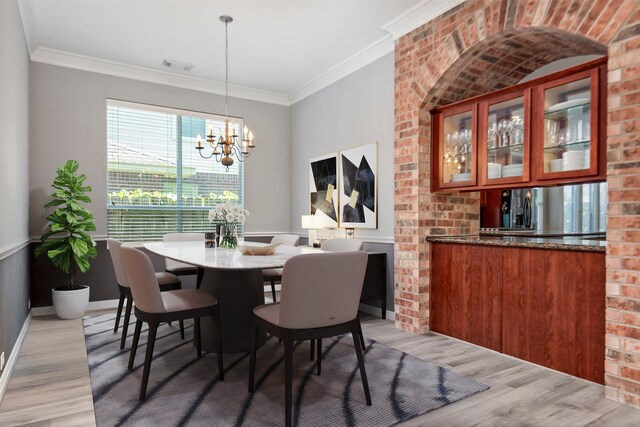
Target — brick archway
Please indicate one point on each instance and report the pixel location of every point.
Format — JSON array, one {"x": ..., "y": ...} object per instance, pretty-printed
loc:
[{"x": 501, "y": 41}]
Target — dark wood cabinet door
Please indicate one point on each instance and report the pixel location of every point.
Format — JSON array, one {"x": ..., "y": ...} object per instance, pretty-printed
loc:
[
  {"x": 466, "y": 297},
  {"x": 554, "y": 303}
]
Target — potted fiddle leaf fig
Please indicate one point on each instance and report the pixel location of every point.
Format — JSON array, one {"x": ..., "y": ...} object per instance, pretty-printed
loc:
[{"x": 67, "y": 242}]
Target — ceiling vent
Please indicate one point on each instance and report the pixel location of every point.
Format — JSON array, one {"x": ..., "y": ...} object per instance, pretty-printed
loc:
[{"x": 177, "y": 65}]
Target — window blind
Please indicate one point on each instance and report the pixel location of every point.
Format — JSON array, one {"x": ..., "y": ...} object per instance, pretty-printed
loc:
[{"x": 156, "y": 181}]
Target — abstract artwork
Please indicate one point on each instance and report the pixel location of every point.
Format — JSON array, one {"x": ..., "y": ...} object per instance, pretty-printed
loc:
[
  {"x": 323, "y": 189},
  {"x": 358, "y": 187}
]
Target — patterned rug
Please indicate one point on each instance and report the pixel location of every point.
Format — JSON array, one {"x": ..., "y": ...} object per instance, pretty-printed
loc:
[{"x": 184, "y": 390}]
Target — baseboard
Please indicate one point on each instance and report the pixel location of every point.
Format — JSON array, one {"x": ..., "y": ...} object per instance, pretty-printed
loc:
[
  {"x": 369, "y": 309},
  {"x": 93, "y": 306},
  {"x": 13, "y": 357}
]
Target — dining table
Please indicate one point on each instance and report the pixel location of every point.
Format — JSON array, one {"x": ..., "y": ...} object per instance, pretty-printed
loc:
[{"x": 234, "y": 279}]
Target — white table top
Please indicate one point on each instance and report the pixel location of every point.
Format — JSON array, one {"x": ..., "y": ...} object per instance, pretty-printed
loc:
[{"x": 225, "y": 259}]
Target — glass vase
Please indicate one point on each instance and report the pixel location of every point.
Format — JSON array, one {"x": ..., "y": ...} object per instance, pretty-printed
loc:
[{"x": 229, "y": 236}]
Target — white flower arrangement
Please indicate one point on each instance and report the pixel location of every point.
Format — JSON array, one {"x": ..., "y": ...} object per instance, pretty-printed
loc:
[{"x": 228, "y": 213}]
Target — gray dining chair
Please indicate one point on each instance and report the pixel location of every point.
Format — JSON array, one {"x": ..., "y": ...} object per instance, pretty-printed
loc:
[
  {"x": 274, "y": 275},
  {"x": 342, "y": 245},
  {"x": 165, "y": 282},
  {"x": 319, "y": 299},
  {"x": 176, "y": 267},
  {"x": 154, "y": 307}
]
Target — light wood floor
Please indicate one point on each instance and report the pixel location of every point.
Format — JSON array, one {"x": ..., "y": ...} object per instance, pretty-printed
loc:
[{"x": 50, "y": 384}]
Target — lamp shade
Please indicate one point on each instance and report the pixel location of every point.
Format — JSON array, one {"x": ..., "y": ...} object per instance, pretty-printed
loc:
[{"x": 309, "y": 222}]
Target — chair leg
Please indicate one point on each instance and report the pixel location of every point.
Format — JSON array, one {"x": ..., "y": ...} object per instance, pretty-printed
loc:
[
  {"x": 151, "y": 340},
  {"x": 125, "y": 325},
  {"x": 319, "y": 355},
  {"x": 196, "y": 335},
  {"x": 273, "y": 290},
  {"x": 182, "y": 329},
  {"x": 199, "y": 276},
  {"x": 134, "y": 345},
  {"x": 360, "y": 332},
  {"x": 312, "y": 350},
  {"x": 288, "y": 379},
  {"x": 253, "y": 343},
  {"x": 119, "y": 313},
  {"x": 217, "y": 339},
  {"x": 363, "y": 372}
]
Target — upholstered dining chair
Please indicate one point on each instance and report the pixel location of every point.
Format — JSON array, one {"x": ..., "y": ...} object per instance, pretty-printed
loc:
[
  {"x": 340, "y": 245},
  {"x": 274, "y": 275},
  {"x": 154, "y": 307},
  {"x": 181, "y": 268},
  {"x": 318, "y": 299},
  {"x": 165, "y": 282}
]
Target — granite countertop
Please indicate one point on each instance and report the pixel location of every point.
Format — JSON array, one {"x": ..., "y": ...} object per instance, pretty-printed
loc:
[{"x": 570, "y": 243}]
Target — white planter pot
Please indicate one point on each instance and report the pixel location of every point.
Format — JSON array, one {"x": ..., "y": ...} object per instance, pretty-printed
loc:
[{"x": 70, "y": 304}]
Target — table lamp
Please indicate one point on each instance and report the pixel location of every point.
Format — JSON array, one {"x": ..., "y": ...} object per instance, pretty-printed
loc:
[{"x": 310, "y": 222}]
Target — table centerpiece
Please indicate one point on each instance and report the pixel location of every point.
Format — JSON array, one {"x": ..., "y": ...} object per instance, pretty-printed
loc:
[{"x": 228, "y": 216}]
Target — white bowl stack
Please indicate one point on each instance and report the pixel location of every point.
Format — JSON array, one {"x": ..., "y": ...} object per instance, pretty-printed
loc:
[
  {"x": 512, "y": 170},
  {"x": 494, "y": 170},
  {"x": 572, "y": 160},
  {"x": 457, "y": 177},
  {"x": 555, "y": 165}
]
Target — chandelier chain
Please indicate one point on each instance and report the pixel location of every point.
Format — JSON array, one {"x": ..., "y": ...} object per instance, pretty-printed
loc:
[{"x": 226, "y": 63}]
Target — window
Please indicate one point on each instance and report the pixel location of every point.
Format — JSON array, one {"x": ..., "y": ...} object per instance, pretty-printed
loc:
[{"x": 156, "y": 181}]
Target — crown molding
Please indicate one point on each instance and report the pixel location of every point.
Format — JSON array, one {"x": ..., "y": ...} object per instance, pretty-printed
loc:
[
  {"x": 359, "y": 60},
  {"x": 118, "y": 69},
  {"x": 28, "y": 24},
  {"x": 418, "y": 15}
]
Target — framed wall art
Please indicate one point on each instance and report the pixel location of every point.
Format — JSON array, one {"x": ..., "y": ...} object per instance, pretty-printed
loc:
[
  {"x": 323, "y": 190},
  {"x": 359, "y": 187}
]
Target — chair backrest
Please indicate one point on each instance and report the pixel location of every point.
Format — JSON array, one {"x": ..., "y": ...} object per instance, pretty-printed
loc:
[
  {"x": 114, "y": 250},
  {"x": 342, "y": 245},
  {"x": 142, "y": 280},
  {"x": 286, "y": 239},
  {"x": 170, "y": 264},
  {"x": 321, "y": 289}
]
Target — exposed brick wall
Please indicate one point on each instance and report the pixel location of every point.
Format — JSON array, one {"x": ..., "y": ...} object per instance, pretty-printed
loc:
[{"x": 480, "y": 46}]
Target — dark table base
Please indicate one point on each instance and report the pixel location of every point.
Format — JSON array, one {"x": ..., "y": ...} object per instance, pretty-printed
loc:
[{"x": 238, "y": 292}]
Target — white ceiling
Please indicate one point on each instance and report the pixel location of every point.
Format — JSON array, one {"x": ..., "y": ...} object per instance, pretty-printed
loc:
[{"x": 280, "y": 51}]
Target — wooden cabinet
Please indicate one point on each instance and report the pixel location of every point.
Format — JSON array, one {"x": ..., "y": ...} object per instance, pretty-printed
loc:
[
  {"x": 544, "y": 306},
  {"x": 466, "y": 284},
  {"x": 547, "y": 131}
]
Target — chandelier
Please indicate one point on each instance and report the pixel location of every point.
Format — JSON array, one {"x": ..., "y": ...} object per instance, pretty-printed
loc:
[{"x": 227, "y": 145}]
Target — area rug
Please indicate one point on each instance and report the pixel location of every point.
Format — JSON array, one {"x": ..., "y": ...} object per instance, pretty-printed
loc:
[{"x": 184, "y": 390}]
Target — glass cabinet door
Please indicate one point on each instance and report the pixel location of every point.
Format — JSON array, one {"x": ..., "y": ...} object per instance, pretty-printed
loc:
[
  {"x": 458, "y": 148},
  {"x": 567, "y": 127},
  {"x": 505, "y": 144}
]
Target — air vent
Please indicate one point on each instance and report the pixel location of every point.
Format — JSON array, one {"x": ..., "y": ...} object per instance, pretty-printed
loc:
[{"x": 177, "y": 65}]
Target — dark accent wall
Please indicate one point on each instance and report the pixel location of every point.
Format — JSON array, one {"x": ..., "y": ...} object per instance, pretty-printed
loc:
[
  {"x": 102, "y": 278},
  {"x": 14, "y": 294}
]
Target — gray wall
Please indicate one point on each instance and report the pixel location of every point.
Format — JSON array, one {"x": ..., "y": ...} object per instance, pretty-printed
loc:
[
  {"x": 68, "y": 120},
  {"x": 14, "y": 175},
  {"x": 356, "y": 110}
]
